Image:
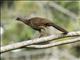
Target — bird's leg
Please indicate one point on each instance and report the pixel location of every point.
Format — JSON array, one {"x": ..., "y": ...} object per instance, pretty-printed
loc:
[
  {"x": 40, "y": 33},
  {"x": 43, "y": 31}
]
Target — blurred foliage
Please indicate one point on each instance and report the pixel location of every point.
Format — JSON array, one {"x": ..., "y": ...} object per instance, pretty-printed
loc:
[{"x": 15, "y": 31}]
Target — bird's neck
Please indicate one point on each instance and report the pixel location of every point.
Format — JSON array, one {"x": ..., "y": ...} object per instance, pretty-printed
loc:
[{"x": 26, "y": 21}]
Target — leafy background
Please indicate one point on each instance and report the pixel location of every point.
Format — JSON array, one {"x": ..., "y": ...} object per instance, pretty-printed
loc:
[{"x": 14, "y": 31}]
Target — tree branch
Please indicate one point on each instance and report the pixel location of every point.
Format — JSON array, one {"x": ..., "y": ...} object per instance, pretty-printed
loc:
[
  {"x": 55, "y": 43},
  {"x": 37, "y": 40}
]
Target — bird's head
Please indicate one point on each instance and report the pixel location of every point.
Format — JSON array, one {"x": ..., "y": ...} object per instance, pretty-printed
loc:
[
  {"x": 19, "y": 18},
  {"x": 24, "y": 20}
]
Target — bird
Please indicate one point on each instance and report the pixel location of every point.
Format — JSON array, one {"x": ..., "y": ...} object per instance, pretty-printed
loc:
[{"x": 38, "y": 23}]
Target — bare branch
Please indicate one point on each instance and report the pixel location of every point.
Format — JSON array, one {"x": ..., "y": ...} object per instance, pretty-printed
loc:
[
  {"x": 55, "y": 43},
  {"x": 37, "y": 40}
]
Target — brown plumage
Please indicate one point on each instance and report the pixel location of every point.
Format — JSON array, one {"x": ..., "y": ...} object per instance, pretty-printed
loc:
[{"x": 37, "y": 23}]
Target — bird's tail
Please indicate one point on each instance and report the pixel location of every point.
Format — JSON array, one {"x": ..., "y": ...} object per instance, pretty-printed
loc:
[{"x": 58, "y": 28}]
